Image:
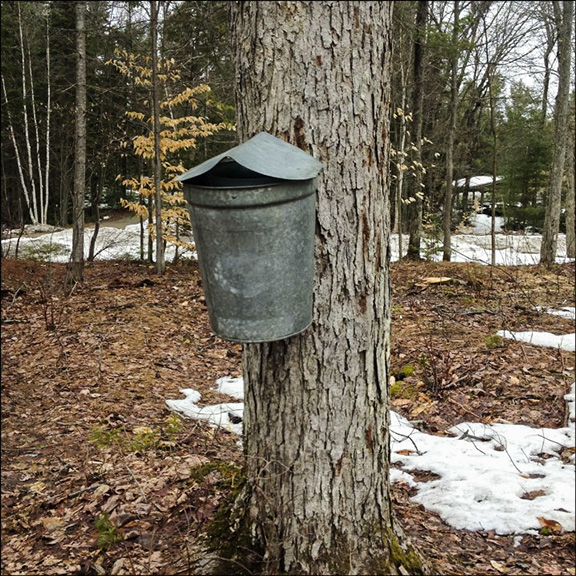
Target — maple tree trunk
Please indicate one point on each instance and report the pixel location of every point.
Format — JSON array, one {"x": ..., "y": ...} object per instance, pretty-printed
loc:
[{"x": 316, "y": 405}]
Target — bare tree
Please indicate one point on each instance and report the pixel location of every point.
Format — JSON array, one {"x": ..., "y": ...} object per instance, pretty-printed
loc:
[
  {"x": 494, "y": 133},
  {"x": 76, "y": 264},
  {"x": 564, "y": 15},
  {"x": 570, "y": 160},
  {"x": 160, "y": 259},
  {"x": 484, "y": 39},
  {"x": 545, "y": 14},
  {"x": 503, "y": 27},
  {"x": 399, "y": 198},
  {"x": 415, "y": 207},
  {"x": 447, "y": 215},
  {"x": 33, "y": 175}
]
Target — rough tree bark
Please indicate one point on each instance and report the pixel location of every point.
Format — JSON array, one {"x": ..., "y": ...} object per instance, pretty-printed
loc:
[
  {"x": 316, "y": 435},
  {"x": 564, "y": 16},
  {"x": 76, "y": 264}
]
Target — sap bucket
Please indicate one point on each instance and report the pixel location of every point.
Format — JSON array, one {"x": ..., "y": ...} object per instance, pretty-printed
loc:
[{"x": 253, "y": 218}]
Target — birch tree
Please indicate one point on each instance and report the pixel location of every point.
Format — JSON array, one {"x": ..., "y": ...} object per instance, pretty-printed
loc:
[
  {"x": 31, "y": 136},
  {"x": 316, "y": 437}
]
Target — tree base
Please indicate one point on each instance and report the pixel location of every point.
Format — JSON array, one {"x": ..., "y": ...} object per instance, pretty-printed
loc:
[{"x": 227, "y": 547}]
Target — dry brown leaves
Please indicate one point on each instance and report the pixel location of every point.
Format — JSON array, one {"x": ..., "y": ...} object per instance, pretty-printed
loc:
[
  {"x": 99, "y": 476},
  {"x": 86, "y": 432}
]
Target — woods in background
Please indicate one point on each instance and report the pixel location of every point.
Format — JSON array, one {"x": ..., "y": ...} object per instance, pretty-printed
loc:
[{"x": 478, "y": 88}]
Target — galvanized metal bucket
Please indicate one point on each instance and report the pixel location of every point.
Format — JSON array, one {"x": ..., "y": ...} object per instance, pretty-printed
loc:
[{"x": 253, "y": 219}]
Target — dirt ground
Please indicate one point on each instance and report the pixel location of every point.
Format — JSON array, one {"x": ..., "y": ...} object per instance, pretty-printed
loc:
[{"x": 100, "y": 477}]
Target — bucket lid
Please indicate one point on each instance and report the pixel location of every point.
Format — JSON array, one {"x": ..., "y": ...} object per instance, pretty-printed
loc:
[{"x": 266, "y": 155}]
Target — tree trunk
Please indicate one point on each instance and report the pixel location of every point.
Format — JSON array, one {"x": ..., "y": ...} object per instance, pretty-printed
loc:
[
  {"x": 550, "y": 35},
  {"x": 398, "y": 224},
  {"x": 19, "y": 160},
  {"x": 494, "y": 133},
  {"x": 48, "y": 114},
  {"x": 150, "y": 244},
  {"x": 561, "y": 119},
  {"x": 570, "y": 160},
  {"x": 34, "y": 215},
  {"x": 76, "y": 264},
  {"x": 465, "y": 192},
  {"x": 316, "y": 410},
  {"x": 160, "y": 260},
  {"x": 96, "y": 197},
  {"x": 63, "y": 199},
  {"x": 447, "y": 216},
  {"x": 415, "y": 208}
]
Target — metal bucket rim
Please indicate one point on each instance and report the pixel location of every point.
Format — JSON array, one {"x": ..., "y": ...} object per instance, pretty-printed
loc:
[{"x": 240, "y": 187}]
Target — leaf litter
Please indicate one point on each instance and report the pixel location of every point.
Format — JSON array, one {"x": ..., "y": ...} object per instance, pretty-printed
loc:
[{"x": 87, "y": 433}]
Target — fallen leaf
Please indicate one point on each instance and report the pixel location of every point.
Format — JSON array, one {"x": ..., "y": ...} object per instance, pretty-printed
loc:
[
  {"x": 101, "y": 490},
  {"x": 37, "y": 487},
  {"x": 117, "y": 566},
  {"x": 498, "y": 566},
  {"x": 142, "y": 430},
  {"x": 51, "y": 561},
  {"x": 549, "y": 526},
  {"x": 532, "y": 495},
  {"x": 53, "y": 523},
  {"x": 422, "y": 408},
  {"x": 434, "y": 280},
  {"x": 401, "y": 402}
]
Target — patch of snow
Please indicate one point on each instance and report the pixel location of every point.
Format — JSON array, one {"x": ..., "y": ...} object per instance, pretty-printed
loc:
[
  {"x": 565, "y": 341},
  {"x": 476, "y": 181},
  {"x": 227, "y": 415},
  {"x": 564, "y": 312},
  {"x": 231, "y": 386},
  {"x": 482, "y": 224},
  {"x": 490, "y": 476},
  {"x": 114, "y": 243}
]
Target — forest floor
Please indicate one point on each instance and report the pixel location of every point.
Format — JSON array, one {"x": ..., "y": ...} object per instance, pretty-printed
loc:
[{"x": 100, "y": 477}]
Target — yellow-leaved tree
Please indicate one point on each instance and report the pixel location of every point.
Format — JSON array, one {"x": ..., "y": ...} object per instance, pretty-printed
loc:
[{"x": 180, "y": 129}]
